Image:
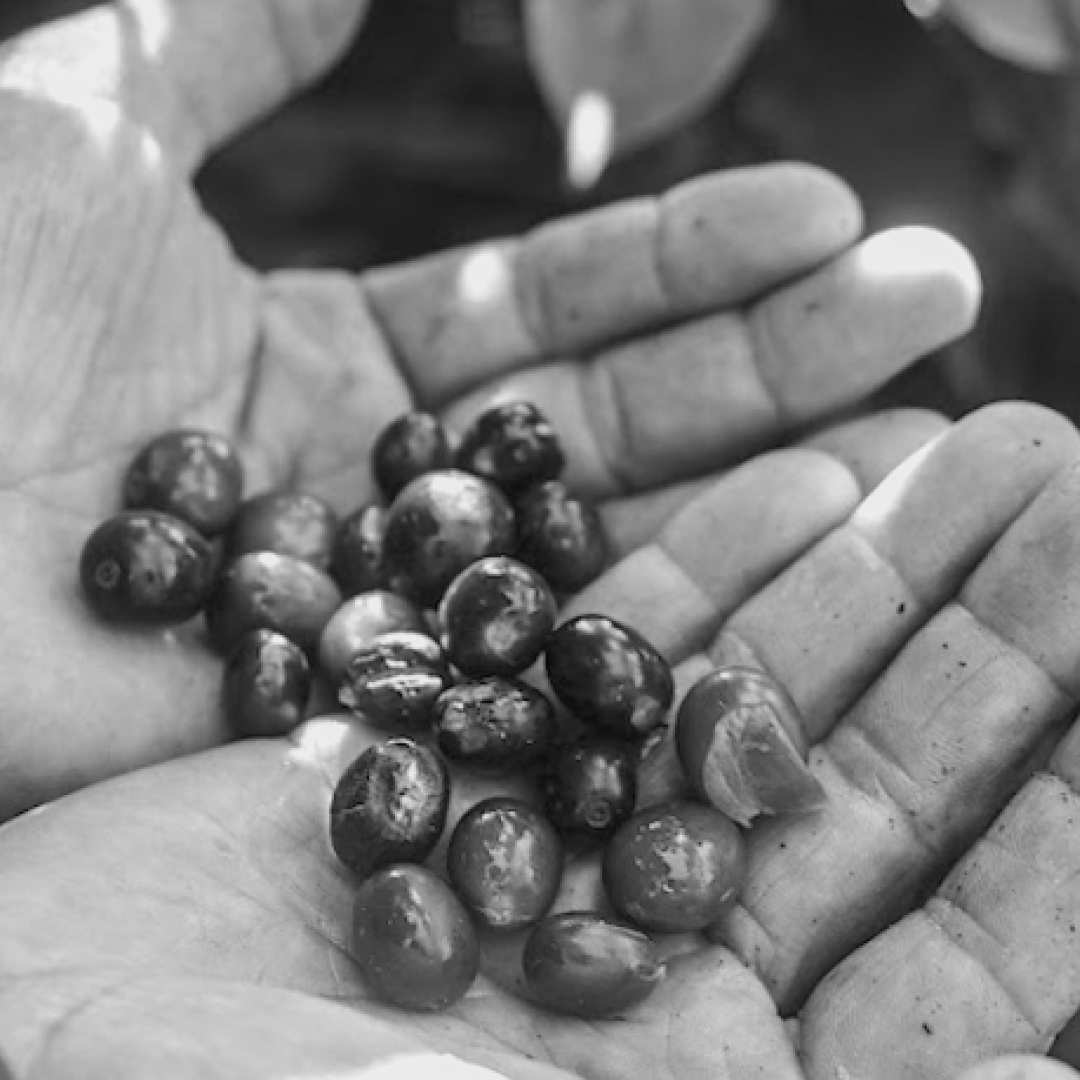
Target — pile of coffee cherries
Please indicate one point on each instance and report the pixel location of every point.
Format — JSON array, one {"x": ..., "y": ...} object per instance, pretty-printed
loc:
[{"x": 434, "y": 615}]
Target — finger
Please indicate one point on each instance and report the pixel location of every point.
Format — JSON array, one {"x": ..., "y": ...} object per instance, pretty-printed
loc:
[
  {"x": 1019, "y": 1067},
  {"x": 990, "y": 965},
  {"x": 701, "y": 395},
  {"x": 924, "y": 760},
  {"x": 871, "y": 447},
  {"x": 461, "y": 318},
  {"x": 829, "y": 626},
  {"x": 193, "y": 72}
]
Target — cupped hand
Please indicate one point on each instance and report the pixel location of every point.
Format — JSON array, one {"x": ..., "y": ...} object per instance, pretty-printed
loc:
[{"x": 667, "y": 340}]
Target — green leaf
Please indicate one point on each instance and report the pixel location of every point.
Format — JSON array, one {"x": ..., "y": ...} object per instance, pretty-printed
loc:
[{"x": 619, "y": 73}]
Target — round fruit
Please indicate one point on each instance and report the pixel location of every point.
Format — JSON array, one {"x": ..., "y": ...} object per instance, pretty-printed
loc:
[
  {"x": 741, "y": 744},
  {"x": 505, "y": 863},
  {"x": 495, "y": 726},
  {"x": 675, "y": 867},
  {"x": 194, "y": 475},
  {"x": 389, "y": 806},
  {"x": 580, "y": 964},
  {"x": 413, "y": 940},
  {"x": 561, "y": 535},
  {"x": 291, "y": 523},
  {"x": 359, "y": 621},
  {"x": 148, "y": 569},
  {"x": 609, "y": 675},
  {"x": 396, "y": 680},
  {"x": 590, "y": 786},
  {"x": 408, "y": 447},
  {"x": 439, "y": 524},
  {"x": 264, "y": 589},
  {"x": 513, "y": 446},
  {"x": 266, "y": 684},
  {"x": 356, "y": 558},
  {"x": 496, "y": 617}
]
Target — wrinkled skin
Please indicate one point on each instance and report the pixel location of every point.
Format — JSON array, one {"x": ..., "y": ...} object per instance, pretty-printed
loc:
[{"x": 177, "y": 913}]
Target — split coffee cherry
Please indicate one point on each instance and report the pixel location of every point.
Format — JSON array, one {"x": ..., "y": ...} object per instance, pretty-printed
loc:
[
  {"x": 561, "y": 535},
  {"x": 146, "y": 568},
  {"x": 266, "y": 685},
  {"x": 609, "y": 675},
  {"x": 408, "y": 447},
  {"x": 196, "y": 476},
  {"x": 494, "y": 726},
  {"x": 513, "y": 446},
  {"x": 590, "y": 785},
  {"x": 389, "y": 806},
  {"x": 505, "y": 863},
  {"x": 496, "y": 617},
  {"x": 413, "y": 940},
  {"x": 263, "y": 589},
  {"x": 438, "y": 525},
  {"x": 579, "y": 964},
  {"x": 675, "y": 867},
  {"x": 396, "y": 680},
  {"x": 356, "y": 558},
  {"x": 359, "y": 621},
  {"x": 292, "y": 523}
]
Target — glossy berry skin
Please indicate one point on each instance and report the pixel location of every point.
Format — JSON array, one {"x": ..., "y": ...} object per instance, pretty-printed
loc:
[
  {"x": 439, "y": 524},
  {"x": 561, "y": 535},
  {"x": 359, "y": 621},
  {"x": 590, "y": 785},
  {"x": 675, "y": 867},
  {"x": 389, "y": 806},
  {"x": 194, "y": 475},
  {"x": 496, "y": 617},
  {"x": 413, "y": 940},
  {"x": 494, "y": 726},
  {"x": 266, "y": 684},
  {"x": 408, "y": 447},
  {"x": 505, "y": 863},
  {"x": 264, "y": 589},
  {"x": 579, "y": 964},
  {"x": 145, "y": 568},
  {"x": 291, "y": 523},
  {"x": 513, "y": 446},
  {"x": 609, "y": 675},
  {"x": 356, "y": 558},
  {"x": 396, "y": 680}
]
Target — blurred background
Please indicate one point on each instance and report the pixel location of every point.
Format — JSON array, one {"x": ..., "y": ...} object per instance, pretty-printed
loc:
[{"x": 449, "y": 122}]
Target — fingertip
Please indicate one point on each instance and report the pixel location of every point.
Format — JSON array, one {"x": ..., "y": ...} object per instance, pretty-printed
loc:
[{"x": 1019, "y": 1067}]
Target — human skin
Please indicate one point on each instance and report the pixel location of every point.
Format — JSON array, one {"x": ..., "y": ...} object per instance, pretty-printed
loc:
[{"x": 172, "y": 908}]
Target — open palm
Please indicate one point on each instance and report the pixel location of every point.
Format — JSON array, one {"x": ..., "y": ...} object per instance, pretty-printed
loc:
[{"x": 187, "y": 919}]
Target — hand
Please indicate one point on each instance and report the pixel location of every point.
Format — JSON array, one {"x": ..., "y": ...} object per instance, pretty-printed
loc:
[
  {"x": 188, "y": 920},
  {"x": 665, "y": 341}
]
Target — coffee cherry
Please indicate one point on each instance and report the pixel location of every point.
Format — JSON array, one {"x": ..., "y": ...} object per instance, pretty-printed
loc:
[
  {"x": 590, "y": 785},
  {"x": 609, "y": 675},
  {"x": 264, "y": 589},
  {"x": 194, "y": 475},
  {"x": 396, "y": 680},
  {"x": 579, "y": 964},
  {"x": 408, "y": 447},
  {"x": 561, "y": 535},
  {"x": 266, "y": 684},
  {"x": 505, "y": 863},
  {"x": 292, "y": 523},
  {"x": 495, "y": 726},
  {"x": 146, "y": 568},
  {"x": 389, "y": 806},
  {"x": 437, "y": 526},
  {"x": 513, "y": 446},
  {"x": 675, "y": 867},
  {"x": 356, "y": 558},
  {"x": 413, "y": 940},
  {"x": 496, "y": 617}
]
